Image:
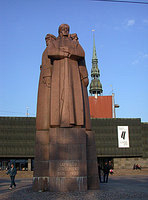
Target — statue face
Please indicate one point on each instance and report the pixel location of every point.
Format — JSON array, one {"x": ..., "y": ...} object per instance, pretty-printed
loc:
[
  {"x": 75, "y": 38},
  {"x": 64, "y": 30},
  {"x": 48, "y": 41}
]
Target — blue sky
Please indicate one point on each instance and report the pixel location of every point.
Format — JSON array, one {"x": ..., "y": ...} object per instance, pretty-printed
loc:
[{"x": 121, "y": 36}]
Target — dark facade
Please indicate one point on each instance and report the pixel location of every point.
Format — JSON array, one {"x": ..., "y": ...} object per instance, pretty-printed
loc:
[
  {"x": 145, "y": 139},
  {"x": 17, "y": 140},
  {"x": 106, "y": 135},
  {"x": 107, "y": 138}
]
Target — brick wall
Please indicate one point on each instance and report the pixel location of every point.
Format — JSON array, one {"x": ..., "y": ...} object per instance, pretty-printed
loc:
[{"x": 127, "y": 163}]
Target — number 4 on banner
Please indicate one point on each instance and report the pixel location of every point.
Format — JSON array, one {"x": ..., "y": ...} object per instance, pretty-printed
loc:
[{"x": 123, "y": 135}]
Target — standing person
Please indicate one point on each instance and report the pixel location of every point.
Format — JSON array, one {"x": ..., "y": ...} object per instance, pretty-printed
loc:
[
  {"x": 99, "y": 172},
  {"x": 106, "y": 172},
  {"x": 12, "y": 172},
  {"x": 110, "y": 167}
]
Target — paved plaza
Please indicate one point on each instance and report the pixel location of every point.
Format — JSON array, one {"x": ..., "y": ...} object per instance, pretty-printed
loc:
[{"x": 118, "y": 188}]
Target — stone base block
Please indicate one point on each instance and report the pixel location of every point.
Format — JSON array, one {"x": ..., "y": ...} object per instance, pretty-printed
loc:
[
  {"x": 93, "y": 183},
  {"x": 59, "y": 184},
  {"x": 40, "y": 184},
  {"x": 92, "y": 168},
  {"x": 65, "y": 160}
]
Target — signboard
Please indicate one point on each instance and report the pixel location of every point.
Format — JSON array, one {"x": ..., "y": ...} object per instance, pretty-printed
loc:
[{"x": 123, "y": 137}]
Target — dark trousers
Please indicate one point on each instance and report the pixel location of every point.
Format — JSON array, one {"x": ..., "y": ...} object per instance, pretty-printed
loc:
[
  {"x": 12, "y": 181},
  {"x": 106, "y": 177},
  {"x": 100, "y": 177}
]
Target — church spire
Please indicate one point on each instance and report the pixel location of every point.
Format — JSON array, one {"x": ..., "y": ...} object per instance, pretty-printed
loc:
[
  {"x": 94, "y": 48},
  {"x": 95, "y": 85}
]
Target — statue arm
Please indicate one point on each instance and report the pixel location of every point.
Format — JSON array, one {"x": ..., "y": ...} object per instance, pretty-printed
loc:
[
  {"x": 46, "y": 64},
  {"x": 46, "y": 69},
  {"x": 57, "y": 53},
  {"x": 77, "y": 53},
  {"x": 83, "y": 72}
]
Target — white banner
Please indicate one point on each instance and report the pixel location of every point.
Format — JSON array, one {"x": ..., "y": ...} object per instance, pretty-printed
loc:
[{"x": 123, "y": 137}]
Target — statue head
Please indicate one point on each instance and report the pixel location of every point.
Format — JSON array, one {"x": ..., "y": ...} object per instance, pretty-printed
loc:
[
  {"x": 74, "y": 37},
  {"x": 64, "y": 30},
  {"x": 49, "y": 38}
]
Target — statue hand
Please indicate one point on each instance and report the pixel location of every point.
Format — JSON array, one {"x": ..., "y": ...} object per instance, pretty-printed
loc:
[
  {"x": 85, "y": 81},
  {"x": 64, "y": 49},
  {"x": 67, "y": 55}
]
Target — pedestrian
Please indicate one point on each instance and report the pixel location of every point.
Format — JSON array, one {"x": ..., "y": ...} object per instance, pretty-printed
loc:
[
  {"x": 12, "y": 172},
  {"x": 99, "y": 172},
  {"x": 110, "y": 168},
  {"x": 138, "y": 167},
  {"x": 106, "y": 172}
]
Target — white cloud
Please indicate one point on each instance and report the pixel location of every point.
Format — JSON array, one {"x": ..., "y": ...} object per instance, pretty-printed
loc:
[
  {"x": 135, "y": 62},
  {"x": 145, "y": 21},
  {"x": 130, "y": 22},
  {"x": 140, "y": 58},
  {"x": 145, "y": 55}
]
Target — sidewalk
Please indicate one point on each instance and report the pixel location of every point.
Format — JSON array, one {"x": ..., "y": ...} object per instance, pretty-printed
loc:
[{"x": 118, "y": 188}]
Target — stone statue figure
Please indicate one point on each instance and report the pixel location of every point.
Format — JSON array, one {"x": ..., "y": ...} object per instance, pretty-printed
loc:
[
  {"x": 69, "y": 74},
  {"x": 44, "y": 94},
  {"x": 65, "y": 154}
]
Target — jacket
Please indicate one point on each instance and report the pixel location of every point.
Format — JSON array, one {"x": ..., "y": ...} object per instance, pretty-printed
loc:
[{"x": 12, "y": 171}]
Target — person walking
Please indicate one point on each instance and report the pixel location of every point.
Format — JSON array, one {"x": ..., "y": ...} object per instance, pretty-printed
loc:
[
  {"x": 12, "y": 172},
  {"x": 106, "y": 172},
  {"x": 110, "y": 168},
  {"x": 99, "y": 172}
]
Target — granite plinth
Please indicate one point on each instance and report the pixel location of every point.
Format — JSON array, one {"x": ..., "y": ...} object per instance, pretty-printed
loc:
[
  {"x": 92, "y": 168},
  {"x": 60, "y": 162},
  {"x": 59, "y": 184}
]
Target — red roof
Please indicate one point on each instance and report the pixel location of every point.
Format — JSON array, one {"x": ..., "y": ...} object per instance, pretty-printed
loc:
[{"x": 101, "y": 107}]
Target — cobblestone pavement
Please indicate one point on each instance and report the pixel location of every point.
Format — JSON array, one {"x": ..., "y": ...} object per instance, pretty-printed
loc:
[{"x": 118, "y": 188}]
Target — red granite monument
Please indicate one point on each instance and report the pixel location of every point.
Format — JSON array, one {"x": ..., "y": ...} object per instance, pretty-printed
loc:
[{"x": 65, "y": 154}]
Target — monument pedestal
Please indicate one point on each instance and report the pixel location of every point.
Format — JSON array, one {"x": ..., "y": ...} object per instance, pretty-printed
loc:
[
  {"x": 60, "y": 162},
  {"x": 92, "y": 166}
]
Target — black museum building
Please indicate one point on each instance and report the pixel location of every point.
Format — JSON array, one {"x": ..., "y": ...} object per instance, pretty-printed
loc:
[{"x": 17, "y": 141}]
